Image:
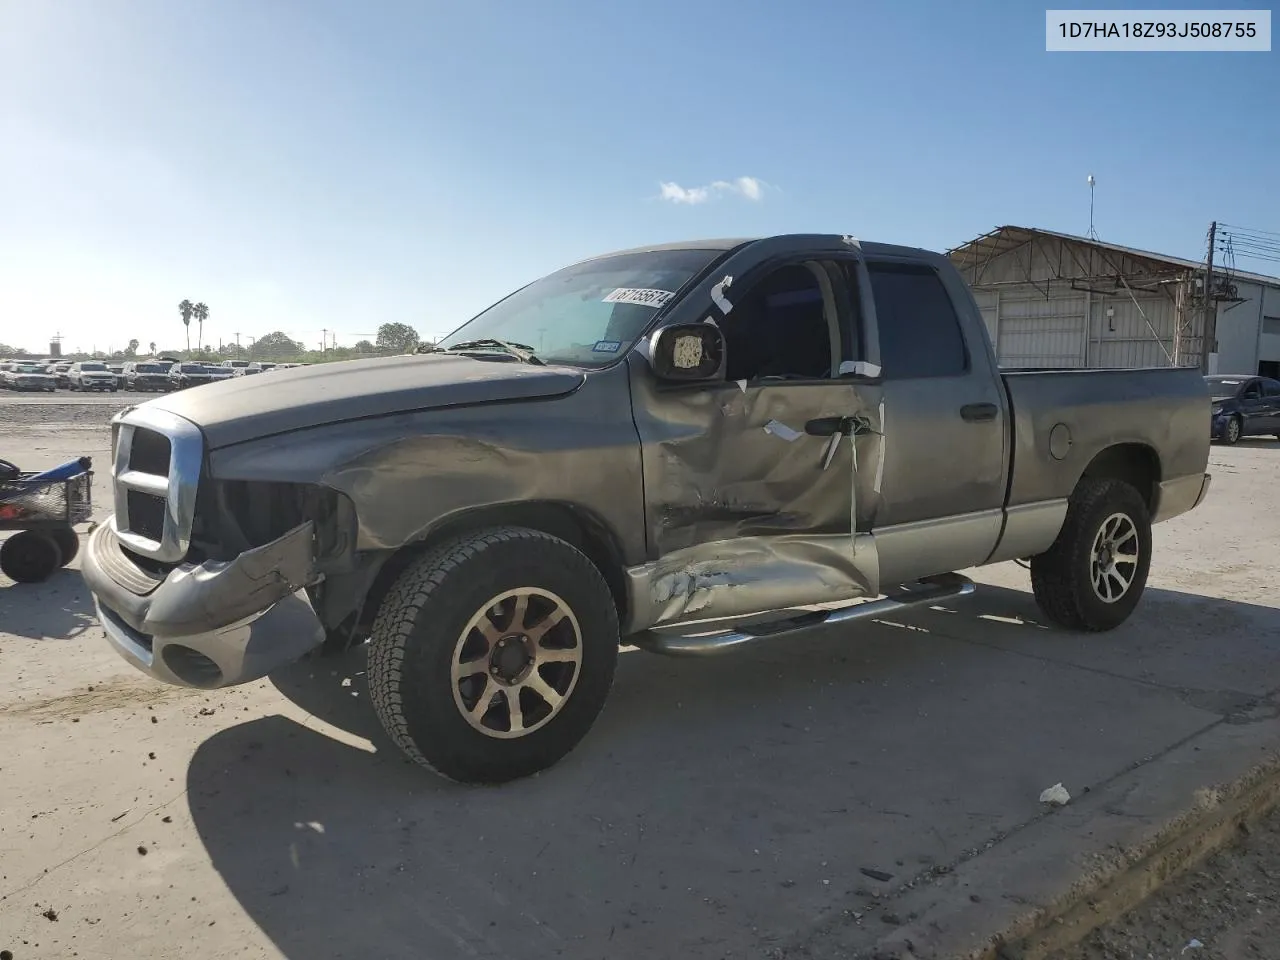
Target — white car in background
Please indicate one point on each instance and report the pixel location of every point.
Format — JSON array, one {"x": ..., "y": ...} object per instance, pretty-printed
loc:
[
  {"x": 91, "y": 375},
  {"x": 29, "y": 376}
]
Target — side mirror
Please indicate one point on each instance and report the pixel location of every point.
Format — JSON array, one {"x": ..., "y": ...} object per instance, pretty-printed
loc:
[{"x": 687, "y": 351}]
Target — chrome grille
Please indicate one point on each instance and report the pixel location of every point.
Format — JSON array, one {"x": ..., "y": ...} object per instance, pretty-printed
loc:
[{"x": 156, "y": 469}]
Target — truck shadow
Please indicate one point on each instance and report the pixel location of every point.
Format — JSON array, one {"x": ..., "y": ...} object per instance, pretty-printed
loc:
[
  {"x": 58, "y": 609},
  {"x": 718, "y": 806}
]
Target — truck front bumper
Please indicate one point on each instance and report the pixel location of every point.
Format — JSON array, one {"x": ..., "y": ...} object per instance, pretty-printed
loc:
[{"x": 207, "y": 625}]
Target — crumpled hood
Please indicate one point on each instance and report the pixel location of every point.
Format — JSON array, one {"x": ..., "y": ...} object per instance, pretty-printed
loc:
[{"x": 278, "y": 401}]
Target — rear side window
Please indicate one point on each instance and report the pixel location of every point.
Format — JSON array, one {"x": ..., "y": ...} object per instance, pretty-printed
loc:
[
  {"x": 1271, "y": 388},
  {"x": 920, "y": 333}
]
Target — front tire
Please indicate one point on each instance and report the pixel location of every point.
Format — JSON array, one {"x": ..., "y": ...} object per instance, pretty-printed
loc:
[
  {"x": 492, "y": 656},
  {"x": 1093, "y": 576},
  {"x": 1233, "y": 431}
]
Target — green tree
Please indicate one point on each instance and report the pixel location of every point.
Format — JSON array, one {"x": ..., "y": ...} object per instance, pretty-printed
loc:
[
  {"x": 277, "y": 345},
  {"x": 186, "y": 308},
  {"x": 201, "y": 313},
  {"x": 153, "y": 348},
  {"x": 397, "y": 338},
  {"x": 132, "y": 349},
  {"x": 363, "y": 346}
]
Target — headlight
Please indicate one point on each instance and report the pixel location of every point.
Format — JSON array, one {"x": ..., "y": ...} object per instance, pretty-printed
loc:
[{"x": 1216, "y": 409}]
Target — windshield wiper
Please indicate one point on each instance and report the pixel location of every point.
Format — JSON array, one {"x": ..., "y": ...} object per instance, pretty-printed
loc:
[{"x": 521, "y": 351}]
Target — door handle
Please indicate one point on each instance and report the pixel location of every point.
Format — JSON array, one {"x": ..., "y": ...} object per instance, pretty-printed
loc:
[
  {"x": 827, "y": 426},
  {"x": 979, "y": 412}
]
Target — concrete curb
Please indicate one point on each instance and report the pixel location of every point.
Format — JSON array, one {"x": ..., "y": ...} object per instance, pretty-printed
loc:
[{"x": 1046, "y": 885}]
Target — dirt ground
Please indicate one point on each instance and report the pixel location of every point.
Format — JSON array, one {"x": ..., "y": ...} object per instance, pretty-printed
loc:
[
  {"x": 743, "y": 807},
  {"x": 1227, "y": 909}
]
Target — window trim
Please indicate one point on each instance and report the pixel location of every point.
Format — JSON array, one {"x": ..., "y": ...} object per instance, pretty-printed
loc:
[
  {"x": 812, "y": 262},
  {"x": 906, "y": 265}
]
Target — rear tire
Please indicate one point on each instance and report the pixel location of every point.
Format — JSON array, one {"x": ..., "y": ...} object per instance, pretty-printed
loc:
[
  {"x": 1093, "y": 576},
  {"x": 30, "y": 556},
  {"x": 68, "y": 543},
  {"x": 507, "y": 612}
]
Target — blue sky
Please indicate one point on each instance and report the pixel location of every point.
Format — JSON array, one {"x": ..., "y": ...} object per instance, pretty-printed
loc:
[{"x": 309, "y": 165}]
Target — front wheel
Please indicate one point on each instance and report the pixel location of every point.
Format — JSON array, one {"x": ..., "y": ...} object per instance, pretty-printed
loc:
[
  {"x": 492, "y": 656},
  {"x": 1233, "y": 431},
  {"x": 1093, "y": 576}
]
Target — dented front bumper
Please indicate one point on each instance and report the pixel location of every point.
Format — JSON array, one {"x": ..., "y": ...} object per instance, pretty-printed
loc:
[{"x": 207, "y": 625}]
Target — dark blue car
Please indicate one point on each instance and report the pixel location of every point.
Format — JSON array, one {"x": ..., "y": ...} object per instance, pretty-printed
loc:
[{"x": 1244, "y": 406}]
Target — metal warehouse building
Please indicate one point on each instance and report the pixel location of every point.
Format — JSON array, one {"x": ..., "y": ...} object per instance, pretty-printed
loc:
[{"x": 1057, "y": 300}]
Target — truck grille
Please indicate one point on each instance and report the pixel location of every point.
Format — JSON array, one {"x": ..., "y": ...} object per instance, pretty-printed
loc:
[{"x": 156, "y": 469}]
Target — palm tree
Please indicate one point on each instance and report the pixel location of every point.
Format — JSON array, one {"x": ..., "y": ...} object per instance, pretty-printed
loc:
[
  {"x": 201, "y": 313},
  {"x": 153, "y": 348},
  {"x": 186, "y": 309}
]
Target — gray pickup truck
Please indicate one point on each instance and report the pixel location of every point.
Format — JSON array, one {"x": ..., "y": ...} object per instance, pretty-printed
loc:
[{"x": 652, "y": 448}]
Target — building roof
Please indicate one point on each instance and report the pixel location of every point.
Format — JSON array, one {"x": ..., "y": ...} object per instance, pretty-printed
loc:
[{"x": 1003, "y": 239}]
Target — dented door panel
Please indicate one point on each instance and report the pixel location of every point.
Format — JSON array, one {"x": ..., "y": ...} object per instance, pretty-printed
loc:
[{"x": 745, "y": 511}]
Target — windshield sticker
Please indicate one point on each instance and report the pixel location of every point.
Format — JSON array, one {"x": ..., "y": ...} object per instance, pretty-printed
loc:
[
  {"x": 646, "y": 298},
  {"x": 782, "y": 431},
  {"x": 606, "y": 346}
]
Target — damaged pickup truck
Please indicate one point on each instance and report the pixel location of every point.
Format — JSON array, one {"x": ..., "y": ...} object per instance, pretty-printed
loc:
[{"x": 650, "y": 448}]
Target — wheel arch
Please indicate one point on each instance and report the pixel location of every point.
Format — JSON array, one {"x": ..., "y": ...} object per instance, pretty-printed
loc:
[
  {"x": 576, "y": 526},
  {"x": 1137, "y": 464}
]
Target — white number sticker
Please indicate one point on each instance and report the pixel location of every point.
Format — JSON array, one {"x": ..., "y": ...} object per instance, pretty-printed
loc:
[{"x": 647, "y": 298}]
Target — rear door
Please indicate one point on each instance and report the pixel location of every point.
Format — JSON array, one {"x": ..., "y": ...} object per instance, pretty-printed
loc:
[{"x": 943, "y": 486}]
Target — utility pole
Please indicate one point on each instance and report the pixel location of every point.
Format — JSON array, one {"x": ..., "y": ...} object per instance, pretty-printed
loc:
[
  {"x": 237, "y": 343},
  {"x": 324, "y": 338},
  {"x": 1210, "y": 328}
]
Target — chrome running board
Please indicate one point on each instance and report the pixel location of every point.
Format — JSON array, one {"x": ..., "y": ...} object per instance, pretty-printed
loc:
[{"x": 946, "y": 586}]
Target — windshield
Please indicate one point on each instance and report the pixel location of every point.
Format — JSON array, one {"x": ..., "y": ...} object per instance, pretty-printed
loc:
[
  {"x": 93, "y": 367},
  {"x": 587, "y": 314},
  {"x": 200, "y": 368},
  {"x": 29, "y": 368},
  {"x": 1222, "y": 388},
  {"x": 148, "y": 368}
]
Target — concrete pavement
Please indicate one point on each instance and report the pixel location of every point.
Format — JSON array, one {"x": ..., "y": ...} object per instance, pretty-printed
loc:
[{"x": 742, "y": 807}]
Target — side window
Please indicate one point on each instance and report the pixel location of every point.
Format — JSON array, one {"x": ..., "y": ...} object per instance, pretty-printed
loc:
[
  {"x": 782, "y": 329},
  {"x": 920, "y": 333},
  {"x": 1253, "y": 391},
  {"x": 1271, "y": 388}
]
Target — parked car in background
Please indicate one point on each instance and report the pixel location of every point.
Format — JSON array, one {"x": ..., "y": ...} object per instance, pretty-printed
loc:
[
  {"x": 146, "y": 376},
  {"x": 21, "y": 375},
  {"x": 61, "y": 373},
  {"x": 118, "y": 370},
  {"x": 235, "y": 366},
  {"x": 252, "y": 367},
  {"x": 1244, "y": 406},
  {"x": 91, "y": 375},
  {"x": 192, "y": 374}
]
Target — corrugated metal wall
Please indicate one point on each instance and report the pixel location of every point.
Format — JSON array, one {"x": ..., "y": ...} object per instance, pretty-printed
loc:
[{"x": 1046, "y": 322}]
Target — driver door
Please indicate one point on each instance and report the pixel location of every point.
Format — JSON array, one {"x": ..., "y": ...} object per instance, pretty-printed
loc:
[{"x": 754, "y": 501}]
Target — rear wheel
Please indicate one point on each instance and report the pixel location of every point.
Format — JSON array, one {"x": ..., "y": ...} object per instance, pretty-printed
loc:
[
  {"x": 492, "y": 656},
  {"x": 68, "y": 543},
  {"x": 30, "y": 556},
  {"x": 1093, "y": 576}
]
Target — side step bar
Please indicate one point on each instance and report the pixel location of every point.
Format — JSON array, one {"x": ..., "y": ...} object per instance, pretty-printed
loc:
[{"x": 947, "y": 586}]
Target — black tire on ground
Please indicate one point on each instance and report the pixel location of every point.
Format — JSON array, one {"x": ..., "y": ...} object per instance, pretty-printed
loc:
[
  {"x": 68, "y": 543},
  {"x": 1233, "y": 431},
  {"x": 30, "y": 556},
  {"x": 448, "y": 610},
  {"x": 1072, "y": 579}
]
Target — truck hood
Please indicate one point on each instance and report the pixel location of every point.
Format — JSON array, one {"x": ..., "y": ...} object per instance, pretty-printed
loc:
[{"x": 238, "y": 409}]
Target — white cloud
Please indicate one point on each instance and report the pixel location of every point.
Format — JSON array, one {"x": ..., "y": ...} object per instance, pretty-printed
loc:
[{"x": 749, "y": 188}]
